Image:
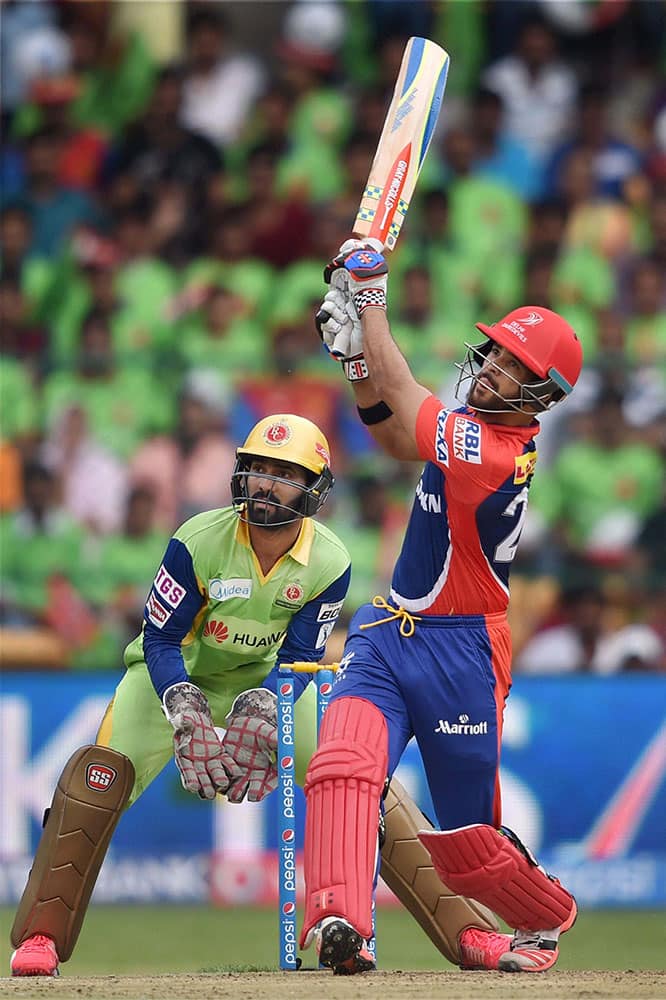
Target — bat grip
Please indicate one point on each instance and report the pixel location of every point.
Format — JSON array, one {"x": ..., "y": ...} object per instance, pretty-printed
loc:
[{"x": 321, "y": 317}]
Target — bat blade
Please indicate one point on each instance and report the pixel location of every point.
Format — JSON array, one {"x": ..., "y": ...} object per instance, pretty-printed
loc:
[{"x": 408, "y": 129}]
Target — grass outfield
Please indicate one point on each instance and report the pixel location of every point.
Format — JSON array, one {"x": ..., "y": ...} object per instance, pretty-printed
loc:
[{"x": 123, "y": 940}]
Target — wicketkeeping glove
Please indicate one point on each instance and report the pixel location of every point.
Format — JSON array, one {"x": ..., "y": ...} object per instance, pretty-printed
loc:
[
  {"x": 251, "y": 739},
  {"x": 205, "y": 767}
]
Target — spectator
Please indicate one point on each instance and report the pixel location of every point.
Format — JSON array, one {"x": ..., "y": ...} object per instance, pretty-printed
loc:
[
  {"x": 500, "y": 155},
  {"x": 54, "y": 210},
  {"x": 646, "y": 326},
  {"x": 602, "y": 487},
  {"x": 274, "y": 218},
  {"x": 218, "y": 334},
  {"x": 613, "y": 161},
  {"x": 41, "y": 546},
  {"x": 229, "y": 262},
  {"x": 220, "y": 85},
  {"x": 29, "y": 41},
  {"x": 546, "y": 225},
  {"x": 116, "y": 69},
  {"x": 373, "y": 529},
  {"x": 15, "y": 240},
  {"x": 82, "y": 465},
  {"x": 19, "y": 336},
  {"x": 538, "y": 90},
  {"x": 123, "y": 404},
  {"x": 190, "y": 469},
  {"x": 19, "y": 421},
  {"x": 121, "y": 568},
  {"x": 159, "y": 158},
  {"x": 320, "y": 120},
  {"x": 584, "y": 640},
  {"x": 418, "y": 329},
  {"x": 594, "y": 222}
]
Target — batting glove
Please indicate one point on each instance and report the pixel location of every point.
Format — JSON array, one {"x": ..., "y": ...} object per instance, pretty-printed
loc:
[
  {"x": 251, "y": 739},
  {"x": 366, "y": 270},
  {"x": 340, "y": 328},
  {"x": 205, "y": 767}
]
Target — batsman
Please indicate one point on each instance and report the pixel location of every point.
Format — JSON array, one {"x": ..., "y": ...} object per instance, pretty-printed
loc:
[
  {"x": 432, "y": 659},
  {"x": 239, "y": 591}
]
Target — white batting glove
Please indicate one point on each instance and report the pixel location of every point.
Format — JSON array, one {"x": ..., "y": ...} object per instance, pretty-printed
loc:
[
  {"x": 340, "y": 328},
  {"x": 205, "y": 767},
  {"x": 366, "y": 270}
]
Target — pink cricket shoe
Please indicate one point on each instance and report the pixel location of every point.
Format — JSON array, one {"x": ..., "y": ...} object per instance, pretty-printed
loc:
[
  {"x": 37, "y": 956},
  {"x": 524, "y": 952},
  {"x": 531, "y": 951},
  {"x": 483, "y": 949}
]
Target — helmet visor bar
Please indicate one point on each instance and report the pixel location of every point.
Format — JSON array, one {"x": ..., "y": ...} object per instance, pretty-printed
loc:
[
  {"x": 538, "y": 395},
  {"x": 267, "y": 510}
]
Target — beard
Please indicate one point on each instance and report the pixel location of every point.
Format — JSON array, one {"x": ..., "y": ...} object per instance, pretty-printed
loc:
[
  {"x": 266, "y": 511},
  {"x": 483, "y": 396}
]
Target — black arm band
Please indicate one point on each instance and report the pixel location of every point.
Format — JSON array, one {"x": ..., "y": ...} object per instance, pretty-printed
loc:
[{"x": 374, "y": 414}]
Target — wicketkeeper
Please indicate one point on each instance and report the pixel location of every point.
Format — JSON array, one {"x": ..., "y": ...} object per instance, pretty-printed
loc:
[{"x": 238, "y": 591}]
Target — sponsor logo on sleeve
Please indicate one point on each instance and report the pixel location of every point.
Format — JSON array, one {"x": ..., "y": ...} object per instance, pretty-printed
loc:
[
  {"x": 329, "y": 612},
  {"x": 224, "y": 590},
  {"x": 324, "y": 632},
  {"x": 467, "y": 440},
  {"x": 168, "y": 589},
  {"x": 157, "y": 614},
  {"x": 441, "y": 444},
  {"x": 525, "y": 465}
]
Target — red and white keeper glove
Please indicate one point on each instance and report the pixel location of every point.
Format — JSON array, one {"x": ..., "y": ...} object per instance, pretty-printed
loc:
[
  {"x": 205, "y": 767},
  {"x": 358, "y": 277},
  {"x": 251, "y": 740}
]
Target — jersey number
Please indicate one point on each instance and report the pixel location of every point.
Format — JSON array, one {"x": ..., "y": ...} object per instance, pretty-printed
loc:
[{"x": 506, "y": 549}]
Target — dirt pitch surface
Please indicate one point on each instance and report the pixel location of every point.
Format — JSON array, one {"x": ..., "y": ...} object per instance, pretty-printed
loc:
[{"x": 323, "y": 986}]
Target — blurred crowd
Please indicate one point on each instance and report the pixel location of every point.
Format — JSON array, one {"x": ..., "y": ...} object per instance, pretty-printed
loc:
[{"x": 173, "y": 178}]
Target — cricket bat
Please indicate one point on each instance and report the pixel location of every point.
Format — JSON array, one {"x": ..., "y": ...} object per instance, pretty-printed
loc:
[{"x": 408, "y": 129}]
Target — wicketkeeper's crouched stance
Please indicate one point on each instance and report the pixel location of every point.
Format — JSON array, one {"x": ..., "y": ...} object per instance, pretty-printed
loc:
[{"x": 266, "y": 573}]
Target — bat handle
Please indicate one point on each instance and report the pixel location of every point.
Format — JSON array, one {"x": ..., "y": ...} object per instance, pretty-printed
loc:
[
  {"x": 321, "y": 317},
  {"x": 339, "y": 279}
]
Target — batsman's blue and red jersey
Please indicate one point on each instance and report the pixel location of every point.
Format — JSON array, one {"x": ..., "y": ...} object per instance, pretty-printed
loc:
[{"x": 448, "y": 681}]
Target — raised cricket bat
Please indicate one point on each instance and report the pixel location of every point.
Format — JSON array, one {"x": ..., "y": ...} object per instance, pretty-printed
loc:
[{"x": 408, "y": 128}]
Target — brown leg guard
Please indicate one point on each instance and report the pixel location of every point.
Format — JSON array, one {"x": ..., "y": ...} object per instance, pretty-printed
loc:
[
  {"x": 90, "y": 796},
  {"x": 408, "y": 871}
]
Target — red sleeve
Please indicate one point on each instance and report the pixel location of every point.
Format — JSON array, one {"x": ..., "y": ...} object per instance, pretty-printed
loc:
[{"x": 474, "y": 460}]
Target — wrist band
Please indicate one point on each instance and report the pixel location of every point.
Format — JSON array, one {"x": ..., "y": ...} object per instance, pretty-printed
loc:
[
  {"x": 369, "y": 297},
  {"x": 374, "y": 414},
  {"x": 355, "y": 368}
]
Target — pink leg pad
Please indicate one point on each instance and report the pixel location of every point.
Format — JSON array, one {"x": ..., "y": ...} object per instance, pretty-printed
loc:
[
  {"x": 497, "y": 870},
  {"x": 343, "y": 788}
]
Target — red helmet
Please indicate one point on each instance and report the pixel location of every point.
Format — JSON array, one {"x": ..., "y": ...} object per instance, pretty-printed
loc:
[{"x": 542, "y": 341}]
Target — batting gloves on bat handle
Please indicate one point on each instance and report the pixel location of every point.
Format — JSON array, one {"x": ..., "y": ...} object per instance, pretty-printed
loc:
[
  {"x": 205, "y": 766},
  {"x": 251, "y": 739},
  {"x": 366, "y": 270},
  {"x": 337, "y": 320}
]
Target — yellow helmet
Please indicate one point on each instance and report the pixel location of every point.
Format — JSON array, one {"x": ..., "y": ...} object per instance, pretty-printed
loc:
[{"x": 285, "y": 437}]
